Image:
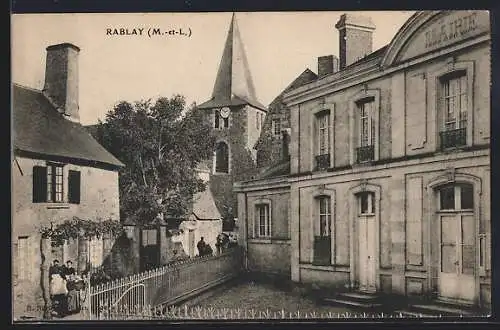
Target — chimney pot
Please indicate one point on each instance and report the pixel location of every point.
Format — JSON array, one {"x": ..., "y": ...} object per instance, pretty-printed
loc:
[{"x": 61, "y": 79}]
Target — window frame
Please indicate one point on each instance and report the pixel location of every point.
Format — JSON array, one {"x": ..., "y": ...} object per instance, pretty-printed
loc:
[
  {"x": 370, "y": 203},
  {"x": 53, "y": 184},
  {"x": 323, "y": 250},
  {"x": 267, "y": 225},
  {"x": 276, "y": 123},
  {"x": 365, "y": 95},
  {"x": 457, "y": 197},
  {"x": 452, "y": 69},
  {"x": 327, "y": 200}
]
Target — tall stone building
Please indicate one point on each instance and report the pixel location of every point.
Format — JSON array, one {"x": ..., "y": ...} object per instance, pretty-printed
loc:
[
  {"x": 237, "y": 117},
  {"x": 388, "y": 185}
]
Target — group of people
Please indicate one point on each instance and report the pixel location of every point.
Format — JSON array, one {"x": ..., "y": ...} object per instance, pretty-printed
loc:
[
  {"x": 205, "y": 249},
  {"x": 65, "y": 286}
]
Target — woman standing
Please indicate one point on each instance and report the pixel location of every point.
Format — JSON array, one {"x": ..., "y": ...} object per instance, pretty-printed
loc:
[{"x": 73, "y": 298}]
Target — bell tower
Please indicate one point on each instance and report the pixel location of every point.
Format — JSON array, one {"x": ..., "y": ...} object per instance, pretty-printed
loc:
[{"x": 237, "y": 118}]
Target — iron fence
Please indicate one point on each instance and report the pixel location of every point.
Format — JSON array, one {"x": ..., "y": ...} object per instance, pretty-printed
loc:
[{"x": 134, "y": 294}]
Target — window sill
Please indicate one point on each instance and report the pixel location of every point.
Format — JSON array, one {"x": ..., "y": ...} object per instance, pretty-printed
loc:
[
  {"x": 455, "y": 211},
  {"x": 55, "y": 206},
  {"x": 329, "y": 268}
]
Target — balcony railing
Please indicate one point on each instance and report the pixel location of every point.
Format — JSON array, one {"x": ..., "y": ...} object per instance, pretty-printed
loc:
[
  {"x": 453, "y": 138},
  {"x": 364, "y": 154},
  {"x": 323, "y": 161}
]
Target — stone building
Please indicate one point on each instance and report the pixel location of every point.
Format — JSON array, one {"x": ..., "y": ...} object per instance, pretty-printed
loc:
[
  {"x": 237, "y": 117},
  {"x": 58, "y": 172},
  {"x": 388, "y": 190}
]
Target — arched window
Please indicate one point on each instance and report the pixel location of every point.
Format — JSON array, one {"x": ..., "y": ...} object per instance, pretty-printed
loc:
[{"x": 222, "y": 158}]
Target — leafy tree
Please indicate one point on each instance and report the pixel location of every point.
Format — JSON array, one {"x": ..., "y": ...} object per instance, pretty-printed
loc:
[{"x": 161, "y": 143}]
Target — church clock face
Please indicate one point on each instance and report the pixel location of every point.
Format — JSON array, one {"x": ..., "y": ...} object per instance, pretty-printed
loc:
[{"x": 224, "y": 112}]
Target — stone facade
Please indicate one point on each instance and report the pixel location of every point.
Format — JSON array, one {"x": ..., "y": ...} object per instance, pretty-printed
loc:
[{"x": 386, "y": 198}]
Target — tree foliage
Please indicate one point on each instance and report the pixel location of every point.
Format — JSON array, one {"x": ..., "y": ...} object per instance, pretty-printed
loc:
[{"x": 161, "y": 143}]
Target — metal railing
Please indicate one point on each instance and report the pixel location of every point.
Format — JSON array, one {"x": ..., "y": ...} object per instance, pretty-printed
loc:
[
  {"x": 323, "y": 161},
  {"x": 364, "y": 154},
  {"x": 150, "y": 289},
  {"x": 453, "y": 138}
]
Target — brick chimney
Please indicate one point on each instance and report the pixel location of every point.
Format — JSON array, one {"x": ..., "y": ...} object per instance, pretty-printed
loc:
[
  {"x": 355, "y": 38},
  {"x": 61, "y": 79},
  {"x": 327, "y": 64}
]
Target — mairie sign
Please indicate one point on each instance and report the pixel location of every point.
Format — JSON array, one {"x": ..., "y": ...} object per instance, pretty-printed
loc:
[{"x": 445, "y": 30}]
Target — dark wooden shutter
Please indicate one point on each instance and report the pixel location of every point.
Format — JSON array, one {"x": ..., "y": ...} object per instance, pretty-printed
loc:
[
  {"x": 39, "y": 184},
  {"x": 74, "y": 187}
]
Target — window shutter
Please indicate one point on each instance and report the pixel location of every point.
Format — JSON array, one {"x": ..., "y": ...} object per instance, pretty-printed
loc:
[
  {"x": 39, "y": 184},
  {"x": 74, "y": 187},
  {"x": 416, "y": 113}
]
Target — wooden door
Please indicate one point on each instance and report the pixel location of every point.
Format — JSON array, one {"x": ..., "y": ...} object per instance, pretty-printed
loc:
[
  {"x": 457, "y": 256},
  {"x": 367, "y": 253}
]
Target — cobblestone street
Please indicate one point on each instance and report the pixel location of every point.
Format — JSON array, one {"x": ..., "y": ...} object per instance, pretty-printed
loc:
[{"x": 261, "y": 298}]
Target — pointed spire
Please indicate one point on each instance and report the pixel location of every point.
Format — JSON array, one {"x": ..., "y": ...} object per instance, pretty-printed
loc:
[{"x": 233, "y": 84}]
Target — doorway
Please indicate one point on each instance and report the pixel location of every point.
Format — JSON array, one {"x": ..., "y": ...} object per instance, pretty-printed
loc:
[
  {"x": 457, "y": 252},
  {"x": 150, "y": 249},
  {"x": 367, "y": 248}
]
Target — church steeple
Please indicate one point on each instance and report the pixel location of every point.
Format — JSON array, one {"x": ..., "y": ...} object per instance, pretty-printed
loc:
[{"x": 233, "y": 84}]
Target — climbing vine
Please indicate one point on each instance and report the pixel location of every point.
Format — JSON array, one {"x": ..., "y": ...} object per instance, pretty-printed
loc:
[{"x": 77, "y": 228}]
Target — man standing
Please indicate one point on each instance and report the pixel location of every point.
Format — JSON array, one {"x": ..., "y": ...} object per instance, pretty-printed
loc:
[{"x": 201, "y": 247}]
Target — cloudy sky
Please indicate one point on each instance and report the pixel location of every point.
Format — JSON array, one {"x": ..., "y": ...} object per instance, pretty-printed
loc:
[{"x": 279, "y": 46}]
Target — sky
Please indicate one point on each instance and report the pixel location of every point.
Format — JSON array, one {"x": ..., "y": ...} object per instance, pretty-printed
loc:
[{"x": 112, "y": 68}]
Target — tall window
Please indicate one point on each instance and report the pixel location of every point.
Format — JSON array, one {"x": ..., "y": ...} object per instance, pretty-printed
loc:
[
  {"x": 276, "y": 125},
  {"x": 325, "y": 216},
  {"x": 263, "y": 221},
  {"x": 366, "y": 203},
  {"x": 217, "y": 118},
  {"x": 323, "y": 140},
  {"x": 367, "y": 130},
  {"x": 455, "y": 103},
  {"x": 257, "y": 120},
  {"x": 322, "y": 237},
  {"x": 48, "y": 184},
  {"x": 55, "y": 183},
  {"x": 222, "y": 158}
]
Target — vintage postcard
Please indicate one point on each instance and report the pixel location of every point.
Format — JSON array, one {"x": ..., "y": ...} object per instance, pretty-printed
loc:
[{"x": 251, "y": 166}]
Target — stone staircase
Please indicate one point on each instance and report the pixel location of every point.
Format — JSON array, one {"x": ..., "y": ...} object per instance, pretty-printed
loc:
[
  {"x": 441, "y": 309},
  {"x": 360, "y": 300}
]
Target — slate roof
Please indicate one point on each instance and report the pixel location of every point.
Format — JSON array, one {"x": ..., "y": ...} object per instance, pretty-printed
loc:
[
  {"x": 40, "y": 129},
  {"x": 279, "y": 169},
  {"x": 233, "y": 84},
  {"x": 204, "y": 207}
]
